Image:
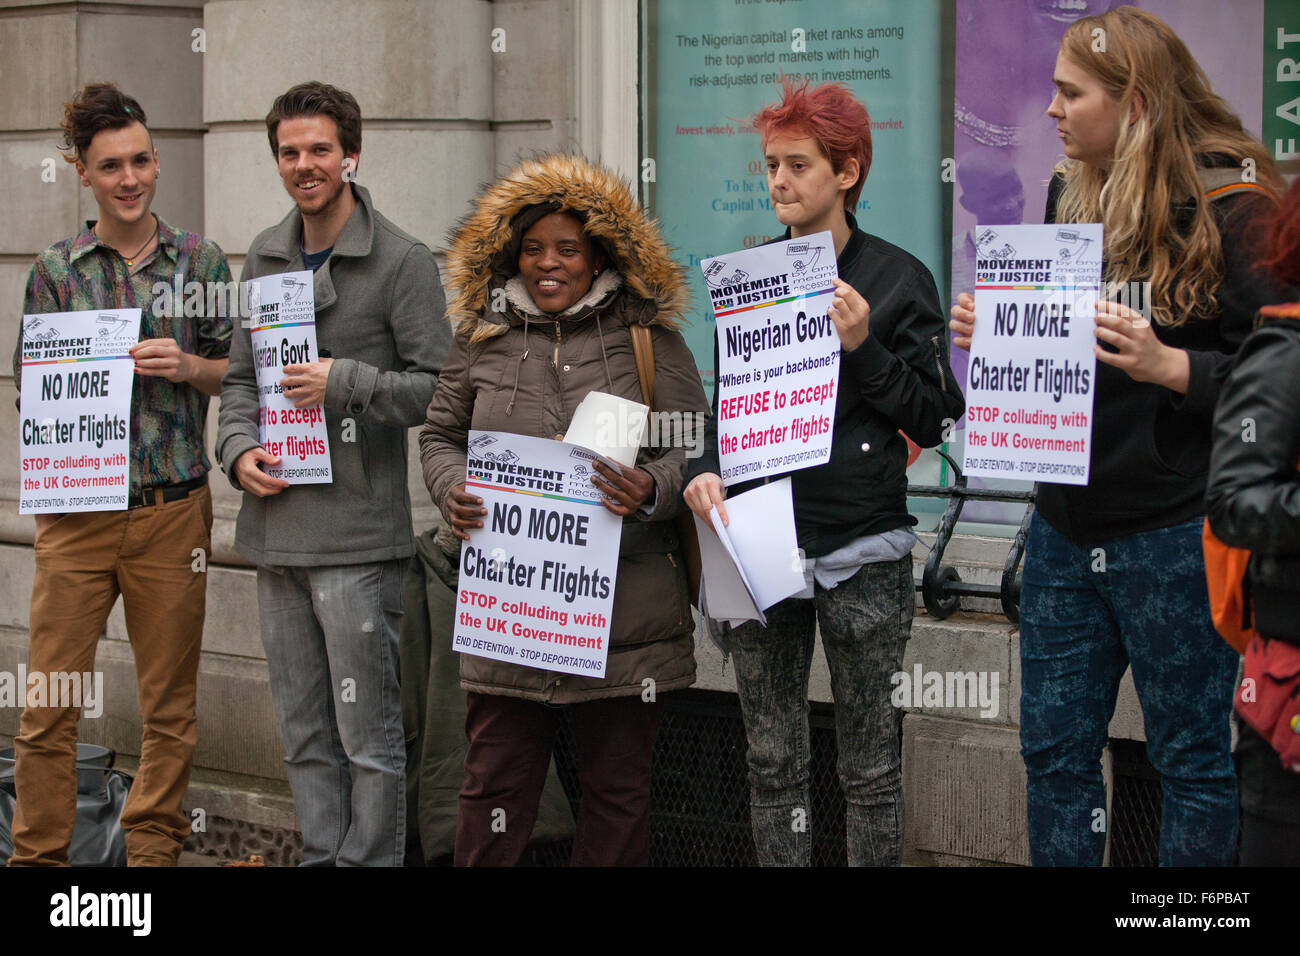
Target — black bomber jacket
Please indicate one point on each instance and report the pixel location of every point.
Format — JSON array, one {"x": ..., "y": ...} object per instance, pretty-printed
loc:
[
  {"x": 1253, "y": 493},
  {"x": 899, "y": 378}
]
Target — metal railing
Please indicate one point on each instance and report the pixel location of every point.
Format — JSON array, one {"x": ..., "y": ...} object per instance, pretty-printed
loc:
[{"x": 941, "y": 585}]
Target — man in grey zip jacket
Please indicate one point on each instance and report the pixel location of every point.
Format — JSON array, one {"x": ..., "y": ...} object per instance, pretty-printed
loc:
[{"x": 330, "y": 557}]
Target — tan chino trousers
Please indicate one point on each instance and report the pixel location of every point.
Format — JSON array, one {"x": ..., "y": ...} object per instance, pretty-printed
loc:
[{"x": 83, "y": 562}]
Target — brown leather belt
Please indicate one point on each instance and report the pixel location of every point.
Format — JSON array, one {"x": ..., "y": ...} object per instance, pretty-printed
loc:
[{"x": 162, "y": 493}]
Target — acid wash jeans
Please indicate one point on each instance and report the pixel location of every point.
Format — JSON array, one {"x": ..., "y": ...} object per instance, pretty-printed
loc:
[
  {"x": 331, "y": 646},
  {"x": 1087, "y": 613},
  {"x": 865, "y": 622}
]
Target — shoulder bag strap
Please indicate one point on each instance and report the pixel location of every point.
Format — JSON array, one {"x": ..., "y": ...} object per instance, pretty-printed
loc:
[{"x": 644, "y": 351}]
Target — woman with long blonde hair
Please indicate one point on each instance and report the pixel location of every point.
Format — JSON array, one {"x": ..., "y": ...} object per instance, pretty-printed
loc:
[{"x": 1114, "y": 573}]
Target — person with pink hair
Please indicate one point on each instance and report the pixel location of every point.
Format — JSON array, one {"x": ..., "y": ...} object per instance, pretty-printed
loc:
[{"x": 851, "y": 515}]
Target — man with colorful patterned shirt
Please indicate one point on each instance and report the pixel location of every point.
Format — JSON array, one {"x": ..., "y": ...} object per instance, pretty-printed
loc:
[{"x": 155, "y": 552}]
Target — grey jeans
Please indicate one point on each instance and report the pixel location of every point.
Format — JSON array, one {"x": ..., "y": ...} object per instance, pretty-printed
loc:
[
  {"x": 331, "y": 645},
  {"x": 865, "y": 623}
]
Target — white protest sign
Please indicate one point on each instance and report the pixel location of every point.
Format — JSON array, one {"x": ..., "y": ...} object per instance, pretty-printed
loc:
[
  {"x": 537, "y": 580},
  {"x": 1032, "y": 367},
  {"x": 283, "y": 315},
  {"x": 778, "y": 356},
  {"x": 75, "y": 406}
]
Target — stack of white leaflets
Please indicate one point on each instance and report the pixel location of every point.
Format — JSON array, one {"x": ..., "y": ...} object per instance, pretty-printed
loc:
[
  {"x": 612, "y": 427},
  {"x": 755, "y": 561}
]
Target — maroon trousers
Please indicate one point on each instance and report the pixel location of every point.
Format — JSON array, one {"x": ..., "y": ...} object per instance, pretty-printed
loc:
[{"x": 510, "y": 742}]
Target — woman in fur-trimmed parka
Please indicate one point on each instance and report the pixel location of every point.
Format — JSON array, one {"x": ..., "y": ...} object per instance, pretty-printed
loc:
[{"x": 570, "y": 262}]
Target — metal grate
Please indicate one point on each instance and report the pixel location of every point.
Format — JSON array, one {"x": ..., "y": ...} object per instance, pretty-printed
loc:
[
  {"x": 700, "y": 790},
  {"x": 1135, "y": 806}
]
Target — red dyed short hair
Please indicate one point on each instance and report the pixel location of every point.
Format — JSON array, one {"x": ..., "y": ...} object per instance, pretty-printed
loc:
[
  {"x": 829, "y": 114},
  {"x": 1284, "y": 243}
]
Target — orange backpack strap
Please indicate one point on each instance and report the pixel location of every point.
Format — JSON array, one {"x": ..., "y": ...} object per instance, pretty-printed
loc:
[
  {"x": 1219, "y": 181},
  {"x": 1228, "y": 190},
  {"x": 1227, "y": 578},
  {"x": 1229, "y": 589},
  {"x": 1287, "y": 310}
]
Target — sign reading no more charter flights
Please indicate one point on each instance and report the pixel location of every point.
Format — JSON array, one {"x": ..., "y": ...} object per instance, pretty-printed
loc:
[
  {"x": 537, "y": 580},
  {"x": 1032, "y": 366},
  {"x": 283, "y": 314},
  {"x": 75, "y": 402},
  {"x": 778, "y": 356}
]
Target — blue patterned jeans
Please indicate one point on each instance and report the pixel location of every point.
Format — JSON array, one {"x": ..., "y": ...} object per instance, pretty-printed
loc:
[
  {"x": 865, "y": 622},
  {"x": 1080, "y": 626}
]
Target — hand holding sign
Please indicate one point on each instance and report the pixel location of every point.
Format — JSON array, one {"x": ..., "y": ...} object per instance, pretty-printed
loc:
[
  {"x": 850, "y": 313},
  {"x": 466, "y": 511},
  {"x": 304, "y": 382},
  {"x": 624, "y": 493},
  {"x": 703, "y": 494},
  {"x": 254, "y": 479},
  {"x": 162, "y": 358},
  {"x": 1138, "y": 353},
  {"x": 963, "y": 321}
]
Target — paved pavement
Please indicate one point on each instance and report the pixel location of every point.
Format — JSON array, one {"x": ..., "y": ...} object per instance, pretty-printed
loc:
[{"x": 198, "y": 859}]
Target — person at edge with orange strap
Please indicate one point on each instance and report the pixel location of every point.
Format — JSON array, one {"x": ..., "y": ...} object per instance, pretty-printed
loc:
[{"x": 1253, "y": 501}]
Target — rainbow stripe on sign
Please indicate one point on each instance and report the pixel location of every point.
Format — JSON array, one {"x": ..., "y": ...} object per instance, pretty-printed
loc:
[
  {"x": 1021, "y": 288},
  {"x": 764, "y": 305},
  {"x": 87, "y": 358},
  {"x": 484, "y": 483},
  {"x": 280, "y": 325}
]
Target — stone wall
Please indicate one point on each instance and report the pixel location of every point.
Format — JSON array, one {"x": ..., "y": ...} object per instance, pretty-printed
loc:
[{"x": 444, "y": 113}]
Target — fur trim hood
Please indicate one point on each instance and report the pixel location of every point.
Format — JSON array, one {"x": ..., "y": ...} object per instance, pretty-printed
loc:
[{"x": 478, "y": 258}]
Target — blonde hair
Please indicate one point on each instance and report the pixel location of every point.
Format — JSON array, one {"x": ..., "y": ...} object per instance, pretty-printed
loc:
[{"x": 1142, "y": 61}]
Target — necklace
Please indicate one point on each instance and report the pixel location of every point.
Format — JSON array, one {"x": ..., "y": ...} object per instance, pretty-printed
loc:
[{"x": 130, "y": 260}]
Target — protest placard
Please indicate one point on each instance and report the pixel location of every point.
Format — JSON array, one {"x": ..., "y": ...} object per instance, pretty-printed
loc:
[
  {"x": 1032, "y": 366},
  {"x": 75, "y": 406},
  {"x": 537, "y": 580},
  {"x": 283, "y": 315},
  {"x": 778, "y": 356}
]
